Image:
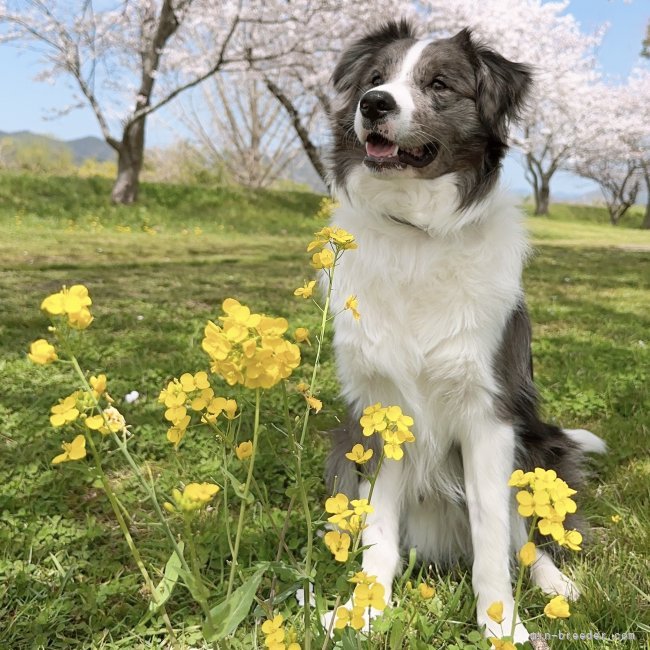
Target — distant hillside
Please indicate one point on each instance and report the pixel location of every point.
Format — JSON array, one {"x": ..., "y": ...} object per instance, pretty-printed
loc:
[{"x": 81, "y": 148}]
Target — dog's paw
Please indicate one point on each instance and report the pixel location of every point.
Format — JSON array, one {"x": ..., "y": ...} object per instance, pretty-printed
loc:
[
  {"x": 500, "y": 630},
  {"x": 555, "y": 583}
]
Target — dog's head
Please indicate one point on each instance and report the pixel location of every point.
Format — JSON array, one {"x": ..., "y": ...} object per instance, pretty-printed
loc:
[{"x": 420, "y": 109}]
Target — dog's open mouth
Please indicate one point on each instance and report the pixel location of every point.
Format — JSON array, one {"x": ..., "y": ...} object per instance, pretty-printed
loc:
[{"x": 382, "y": 153}]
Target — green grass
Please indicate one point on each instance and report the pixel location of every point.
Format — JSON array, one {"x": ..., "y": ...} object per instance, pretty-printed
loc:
[{"x": 66, "y": 578}]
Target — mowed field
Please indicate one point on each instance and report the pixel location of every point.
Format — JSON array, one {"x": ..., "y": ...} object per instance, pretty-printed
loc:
[{"x": 157, "y": 272}]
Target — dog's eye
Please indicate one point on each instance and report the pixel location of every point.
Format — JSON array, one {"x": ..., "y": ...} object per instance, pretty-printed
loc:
[
  {"x": 438, "y": 84},
  {"x": 376, "y": 79}
]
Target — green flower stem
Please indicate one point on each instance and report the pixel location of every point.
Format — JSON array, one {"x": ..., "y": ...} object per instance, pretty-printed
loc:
[
  {"x": 299, "y": 449},
  {"x": 194, "y": 559},
  {"x": 226, "y": 508},
  {"x": 520, "y": 580},
  {"x": 108, "y": 490},
  {"x": 373, "y": 480},
  {"x": 242, "y": 507},
  {"x": 149, "y": 489}
]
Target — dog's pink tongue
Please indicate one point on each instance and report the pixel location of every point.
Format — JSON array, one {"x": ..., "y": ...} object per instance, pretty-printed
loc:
[{"x": 381, "y": 150}]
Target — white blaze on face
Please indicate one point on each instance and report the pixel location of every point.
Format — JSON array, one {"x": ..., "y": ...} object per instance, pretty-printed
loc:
[{"x": 400, "y": 88}]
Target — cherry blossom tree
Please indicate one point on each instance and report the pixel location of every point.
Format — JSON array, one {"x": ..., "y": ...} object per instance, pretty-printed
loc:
[
  {"x": 637, "y": 127},
  {"x": 238, "y": 124},
  {"x": 129, "y": 58},
  {"x": 615, "y": 155}
]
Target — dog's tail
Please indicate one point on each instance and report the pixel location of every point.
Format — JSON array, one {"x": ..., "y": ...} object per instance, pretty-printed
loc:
[
  {"x": 589, "y": 443},
  {"x": 342, "y": 475}
]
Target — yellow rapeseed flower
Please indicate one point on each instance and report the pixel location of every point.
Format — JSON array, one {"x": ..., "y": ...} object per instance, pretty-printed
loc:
[
  {"x": 426, "y": 591},
  {"x": 194, "y": 496},
  {"x": 352, "y": 303},
  {"x": 520, "y": 479},
  {"x": 338, "y": 544},
  {"x": 528, "y": 553},
  {"x": 538, "y": 503},
  {"x": 42, "y": 352},
  {"x": 221, "y": 405},
  {"x": 75, "y": 450},
  {"x": 495, "y": 612},
  {"x": 361, "y": 507},
  {"x": 359, "y": 454},
  {"x": 314, "y": 403},
  {"x": 352, "y": 617},
  {"x": 391, "y": 424},
  {"x": 112, "y": 421},
  {"x": 65, "y": 411},
  {"x": 361, "y": 577},
  {"x": 323, "y": 259},
  {"x": 571, "y": 539},
  {"x": 250, "y": 349},
  {"x": 273, "y": 625},
  {"x": 552, "y": 526},
  {"x": 98, "y": 385},
  {"x": 244, "y": 450},
  {"x": 370, "y": 595},
  {"x": 502, "y": 644},
  {"x": 616, "y": 519},
  {"x": 557, "y": 607},
  {"x": 301, "y": 335},
  {"x": 306, "y": 290},
  {"x": 73, "y": 303}
]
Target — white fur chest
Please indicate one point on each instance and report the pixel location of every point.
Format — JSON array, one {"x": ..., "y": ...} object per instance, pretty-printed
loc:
[{"x": 433, "y": 303}]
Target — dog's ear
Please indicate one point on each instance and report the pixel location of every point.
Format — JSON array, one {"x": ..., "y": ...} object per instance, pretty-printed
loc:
[
  {"x": 357, "y": 55},
  {"x": 501, "y": 85}
]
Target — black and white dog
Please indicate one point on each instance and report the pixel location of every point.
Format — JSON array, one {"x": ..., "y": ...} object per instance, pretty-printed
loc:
[{"x": 420, "y": 130}]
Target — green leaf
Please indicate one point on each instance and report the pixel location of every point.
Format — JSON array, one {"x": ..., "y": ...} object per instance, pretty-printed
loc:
[
  {"x": 164, "y": 589},
  {"x": 238, "y": 487},
  {"x": 230, "y": 612}
]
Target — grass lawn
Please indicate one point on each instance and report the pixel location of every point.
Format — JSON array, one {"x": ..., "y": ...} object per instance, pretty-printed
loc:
[{"x": 157, "y": 272}]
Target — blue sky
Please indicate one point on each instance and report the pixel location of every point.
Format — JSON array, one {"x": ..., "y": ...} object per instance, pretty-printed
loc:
[{"x": 30, "y": 105}]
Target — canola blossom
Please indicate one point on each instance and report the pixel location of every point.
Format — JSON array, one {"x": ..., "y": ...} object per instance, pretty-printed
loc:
[
  {"x": 426, "y": 591},
  {"x": 193, "y": 497},
  {"x": 306, "y": 291},
  {"x": 495, "y": 612},
  {"x": 547, "y": 497},
  {"x": 557, "y": 607},
  {"x": 66, "y": 411},
  {"x": 192, "y": 393},
  {"x": 248, "y": 348},
  {"x": 352, "y": 617},
  {"x": 528, "y": 553},
  {"x": 391, "y": 424},
  {"x": 41, "y": 352},
  {"x": 359, "y": 454},
  {"x": 338, "y": 544},
  {"x": 352, "y": 304},
  {"x": 502, "y": 644},
  {"x": 244, "y": 450},
  {"x": 75, "y": 450},
  {"x": 72, "y": 303}
]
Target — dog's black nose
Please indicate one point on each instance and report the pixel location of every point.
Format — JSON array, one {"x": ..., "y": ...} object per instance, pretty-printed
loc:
[{"x": 376, "y": 104}]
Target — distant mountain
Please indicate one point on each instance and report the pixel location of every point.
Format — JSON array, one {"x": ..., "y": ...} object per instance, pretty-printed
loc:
[{"x": 81, "y": 148}]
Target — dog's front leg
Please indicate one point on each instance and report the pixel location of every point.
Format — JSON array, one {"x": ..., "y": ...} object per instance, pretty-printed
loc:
[
  {"x": 488, "y": 451},
  {"x": 381, "y": 535}
]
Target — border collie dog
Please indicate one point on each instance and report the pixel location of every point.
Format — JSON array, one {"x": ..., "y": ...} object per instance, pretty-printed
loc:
[{"x": 420, "y": 130}]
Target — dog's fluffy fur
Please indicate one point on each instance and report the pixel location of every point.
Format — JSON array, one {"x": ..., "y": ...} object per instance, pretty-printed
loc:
[{"x": 444, "y": 331}]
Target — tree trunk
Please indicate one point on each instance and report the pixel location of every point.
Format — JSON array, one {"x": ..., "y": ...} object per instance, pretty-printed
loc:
[
  {"x": 646, "y": 219},
  {"x": 129, "y": 164},
  {"x": 307, "y": 144},
  {"x": 542, "y": 197}
]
